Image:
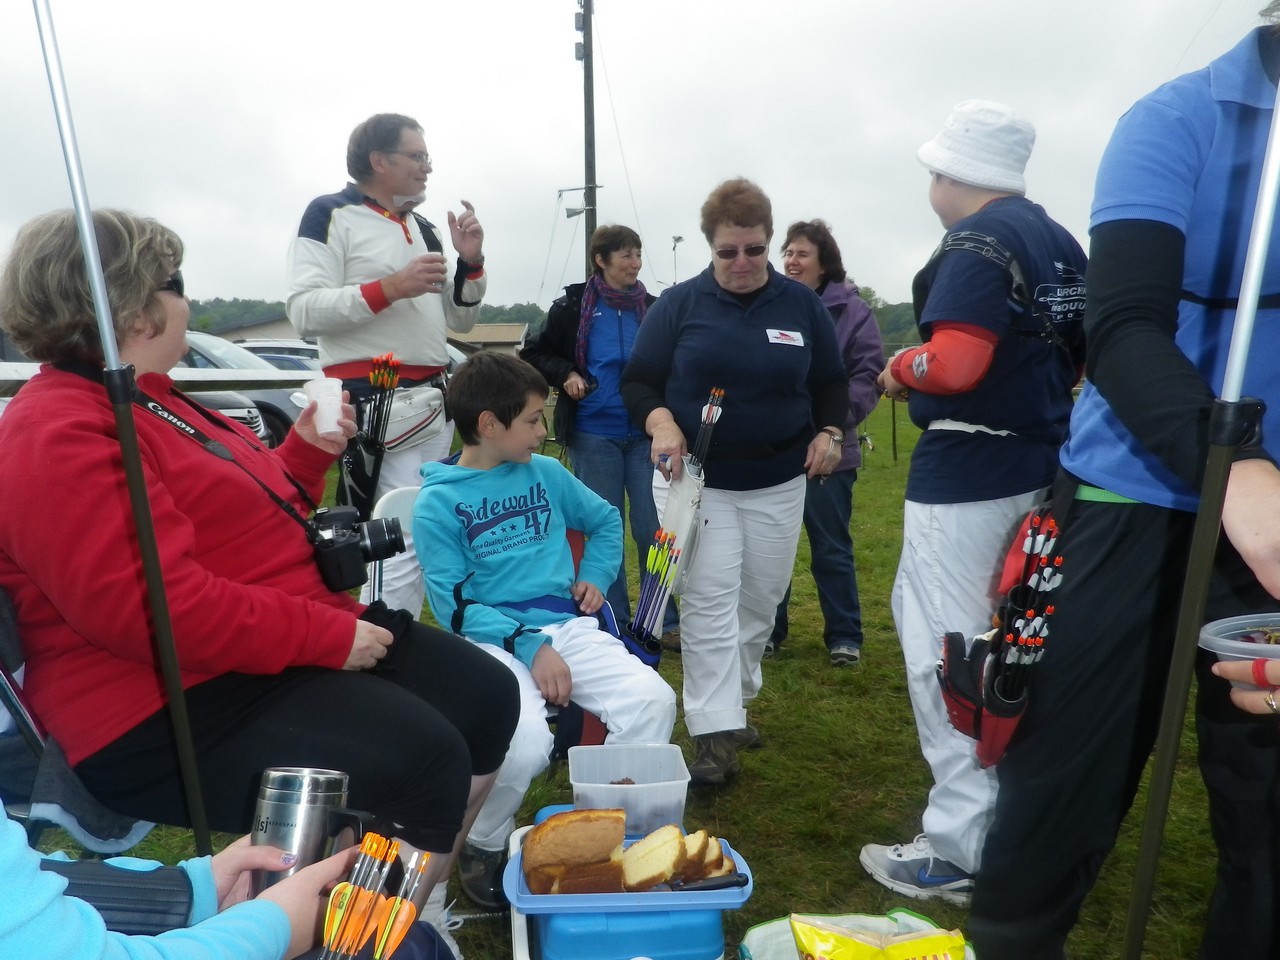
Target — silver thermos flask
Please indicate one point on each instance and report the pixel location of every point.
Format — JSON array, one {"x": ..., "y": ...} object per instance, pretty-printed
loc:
[{"x": 294, "y": 813}]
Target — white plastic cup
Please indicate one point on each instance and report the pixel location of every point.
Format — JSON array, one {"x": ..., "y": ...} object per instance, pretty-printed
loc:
[{"x": 327, "y": 392}]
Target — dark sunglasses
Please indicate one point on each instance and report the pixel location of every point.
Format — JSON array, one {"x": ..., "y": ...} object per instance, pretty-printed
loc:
[
  {"x": 731, "y": 253},
  {"x": 175, "y": 284}
]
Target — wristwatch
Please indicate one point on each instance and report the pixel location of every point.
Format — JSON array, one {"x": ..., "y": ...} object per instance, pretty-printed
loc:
[{"x": 833, "y": 433}]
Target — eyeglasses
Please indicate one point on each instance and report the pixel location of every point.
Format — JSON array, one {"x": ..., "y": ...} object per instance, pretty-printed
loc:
[
  {"x": 421, "y": 159},
  {"x": 732, "y": 253},
  {"x": 174, "y": 284}
]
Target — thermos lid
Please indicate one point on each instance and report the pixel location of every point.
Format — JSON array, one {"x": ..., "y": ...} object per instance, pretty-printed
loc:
[{"x": 304, "y": 784}]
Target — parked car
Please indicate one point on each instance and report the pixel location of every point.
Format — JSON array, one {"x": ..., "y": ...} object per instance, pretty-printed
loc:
[
  {"x": 237, "y": 406},
  {"x": 289, "y": 361},
  {"x": 265, "y": 346},
  {"x": 276, "y": 351},
  {"x": 279, "y": 406}
]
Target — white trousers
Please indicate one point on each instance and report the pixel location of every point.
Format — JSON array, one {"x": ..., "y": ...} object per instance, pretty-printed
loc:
[
  {"x": 402, "y": 584},
  {"x": 947, "y": 580},
  {"x": 634, "y": 702},
  {"x": 741, "y": 567}
]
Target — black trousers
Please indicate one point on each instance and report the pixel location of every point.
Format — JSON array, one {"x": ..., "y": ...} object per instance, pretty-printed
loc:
[
  {"x": 410, "y": 734},
  {"x": 1074, "y": 766}
]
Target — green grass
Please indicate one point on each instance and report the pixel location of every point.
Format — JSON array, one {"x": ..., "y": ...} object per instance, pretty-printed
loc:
[{"x": 842, "y": 767}]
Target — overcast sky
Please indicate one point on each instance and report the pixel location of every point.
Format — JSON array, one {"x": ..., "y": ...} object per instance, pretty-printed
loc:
[{"x": 223, "y": 119}]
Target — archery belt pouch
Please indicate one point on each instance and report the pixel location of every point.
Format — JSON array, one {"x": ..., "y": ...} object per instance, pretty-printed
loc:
[
  {"x": 1000, "y": 718},
  {"x": 417, "y": 415},
  {"x": 960, "y": 676}
]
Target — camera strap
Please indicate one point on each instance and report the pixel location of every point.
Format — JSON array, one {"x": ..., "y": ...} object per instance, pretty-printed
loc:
[{"x": 215, "y": 447}]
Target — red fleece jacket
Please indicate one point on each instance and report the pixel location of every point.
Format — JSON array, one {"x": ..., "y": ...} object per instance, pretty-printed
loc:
[{"x": 244, "y": 592}]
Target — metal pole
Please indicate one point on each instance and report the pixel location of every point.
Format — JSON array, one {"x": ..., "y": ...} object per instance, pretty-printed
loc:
[
  {"x": 120, "y": 387},
  {"x": 588, "y": 132},
  {"x": 1232, "y": 422}
]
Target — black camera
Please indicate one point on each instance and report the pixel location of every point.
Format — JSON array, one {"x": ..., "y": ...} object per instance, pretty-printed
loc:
[{"x": 343, "y": 545}]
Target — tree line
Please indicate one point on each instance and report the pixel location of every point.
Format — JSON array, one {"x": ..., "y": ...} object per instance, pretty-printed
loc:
[{"x": 896, "y": 320}]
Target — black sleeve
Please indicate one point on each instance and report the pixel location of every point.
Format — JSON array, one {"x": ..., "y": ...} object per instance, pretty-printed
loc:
[
  {"x": 551, "y": 352},
  {"x": 643, "y": 389},
  {"x": 831, "y": 403},
  {"x": 1135, "y": 284}
]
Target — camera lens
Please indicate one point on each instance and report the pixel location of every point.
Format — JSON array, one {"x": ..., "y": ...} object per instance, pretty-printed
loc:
[{"x": 381, "y": 539}]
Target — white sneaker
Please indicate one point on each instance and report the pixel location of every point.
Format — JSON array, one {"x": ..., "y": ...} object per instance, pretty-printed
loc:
[
  {"x": 436, "y": 912},
  {"x": 915, "y": 870}
]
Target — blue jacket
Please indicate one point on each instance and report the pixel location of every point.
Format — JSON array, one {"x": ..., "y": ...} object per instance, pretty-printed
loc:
[{"x": 37, "y": 920}]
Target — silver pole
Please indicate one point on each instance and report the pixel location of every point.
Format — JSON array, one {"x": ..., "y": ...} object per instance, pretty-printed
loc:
[
  {"x": 119, "y": 383},
  {"x": 75, "y": 174},
  {"x": 1255, "y": 262}
]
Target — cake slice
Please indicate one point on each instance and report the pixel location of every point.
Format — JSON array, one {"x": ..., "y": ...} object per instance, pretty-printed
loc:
[{"x": 654, "y": 859}]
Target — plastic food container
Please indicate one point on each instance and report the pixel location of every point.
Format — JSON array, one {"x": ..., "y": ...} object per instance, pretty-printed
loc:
[
  {"x": 1222, "y": 637},
  {"x": 617, "y": 926},
  {"x": 657, "y": 794}
]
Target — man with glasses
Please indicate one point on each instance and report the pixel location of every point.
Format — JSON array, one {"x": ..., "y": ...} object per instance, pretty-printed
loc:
[
  {"x": 999, "y": 308},
  {"x": 368, "y": 276}
]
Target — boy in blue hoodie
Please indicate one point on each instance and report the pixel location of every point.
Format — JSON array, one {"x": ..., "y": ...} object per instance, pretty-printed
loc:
[{"x": 491, "y": 535}]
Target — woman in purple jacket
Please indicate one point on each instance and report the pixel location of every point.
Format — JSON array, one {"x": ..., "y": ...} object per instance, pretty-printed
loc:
[{"x": 810, "y": 255}]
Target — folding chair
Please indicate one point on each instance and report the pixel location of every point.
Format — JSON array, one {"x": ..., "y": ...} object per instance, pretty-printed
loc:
[
  {"x": 396, "y": 503},
  {"x": 38, "y": 786}
]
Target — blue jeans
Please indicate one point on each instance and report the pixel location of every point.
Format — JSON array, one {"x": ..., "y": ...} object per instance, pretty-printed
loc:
[
  {"x": 828, "y": 508},
  {"x": 614, "y": 467}
]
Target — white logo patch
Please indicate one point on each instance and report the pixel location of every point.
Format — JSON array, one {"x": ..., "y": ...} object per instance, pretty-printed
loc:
[{"x": 792, "y": 337}]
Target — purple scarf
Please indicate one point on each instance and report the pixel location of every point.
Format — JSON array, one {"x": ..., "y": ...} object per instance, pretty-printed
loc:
[{"x": 596, "y": 290}]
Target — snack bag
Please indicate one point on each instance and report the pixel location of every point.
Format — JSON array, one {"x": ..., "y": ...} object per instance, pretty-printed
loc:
[{"x": 901, "y": 935}]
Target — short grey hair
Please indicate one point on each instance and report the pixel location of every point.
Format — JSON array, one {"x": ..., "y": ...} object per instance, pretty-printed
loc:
[{"x": 46, "y": 304}]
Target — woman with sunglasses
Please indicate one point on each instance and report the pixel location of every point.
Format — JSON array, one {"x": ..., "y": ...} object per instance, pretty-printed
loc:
[
  {"x": 279, "y": 669},
  {"x": 770, "y": 345}
]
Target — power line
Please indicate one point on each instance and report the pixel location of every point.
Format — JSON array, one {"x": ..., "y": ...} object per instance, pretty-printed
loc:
[
  {"x": 617, "y": 132},
  {"x": 555, "y": 218}
]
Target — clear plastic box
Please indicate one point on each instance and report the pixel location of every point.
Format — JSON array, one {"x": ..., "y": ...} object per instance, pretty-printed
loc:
[
  {"x": 1221, "y": 637},
  {"x": 656, "y": 795}
]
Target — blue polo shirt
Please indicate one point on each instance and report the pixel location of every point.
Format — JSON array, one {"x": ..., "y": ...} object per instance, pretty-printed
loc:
[{"x": 1189, "y": 155}]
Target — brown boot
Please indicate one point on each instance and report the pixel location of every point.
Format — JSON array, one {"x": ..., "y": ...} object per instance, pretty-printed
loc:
[{"x": 715, "y": 758}]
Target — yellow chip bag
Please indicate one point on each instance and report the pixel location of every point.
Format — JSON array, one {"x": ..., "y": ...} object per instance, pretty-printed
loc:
[{"x": 858, "y": 937}]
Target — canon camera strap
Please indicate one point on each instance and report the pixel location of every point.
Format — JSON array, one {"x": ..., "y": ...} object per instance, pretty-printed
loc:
[{"x": 215, "y": 447}]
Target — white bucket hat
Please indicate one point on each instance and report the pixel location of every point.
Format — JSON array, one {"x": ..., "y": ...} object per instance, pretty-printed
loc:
[{"x": 984, "y": 144}]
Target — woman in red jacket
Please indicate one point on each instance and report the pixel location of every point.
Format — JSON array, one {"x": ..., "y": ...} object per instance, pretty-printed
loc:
[{"x": 279, "y": 669}]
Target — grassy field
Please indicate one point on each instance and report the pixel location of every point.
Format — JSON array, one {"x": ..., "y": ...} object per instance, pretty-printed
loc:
[{"x": 841, "y": 767}]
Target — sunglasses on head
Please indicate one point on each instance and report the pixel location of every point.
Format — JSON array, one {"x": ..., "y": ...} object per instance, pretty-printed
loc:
[
  {"x": 174, "y": 284},
  {"x": 731, "y": 253}
]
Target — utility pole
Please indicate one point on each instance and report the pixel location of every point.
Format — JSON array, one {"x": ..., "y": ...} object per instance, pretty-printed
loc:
[{"x": 588, "y": 125}]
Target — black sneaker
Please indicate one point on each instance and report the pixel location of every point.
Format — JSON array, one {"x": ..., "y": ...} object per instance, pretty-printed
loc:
[{"x": 480, "y": 872}]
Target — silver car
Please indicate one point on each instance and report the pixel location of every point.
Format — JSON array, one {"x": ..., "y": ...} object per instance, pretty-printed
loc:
[{"x": 279, "y": 406}]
